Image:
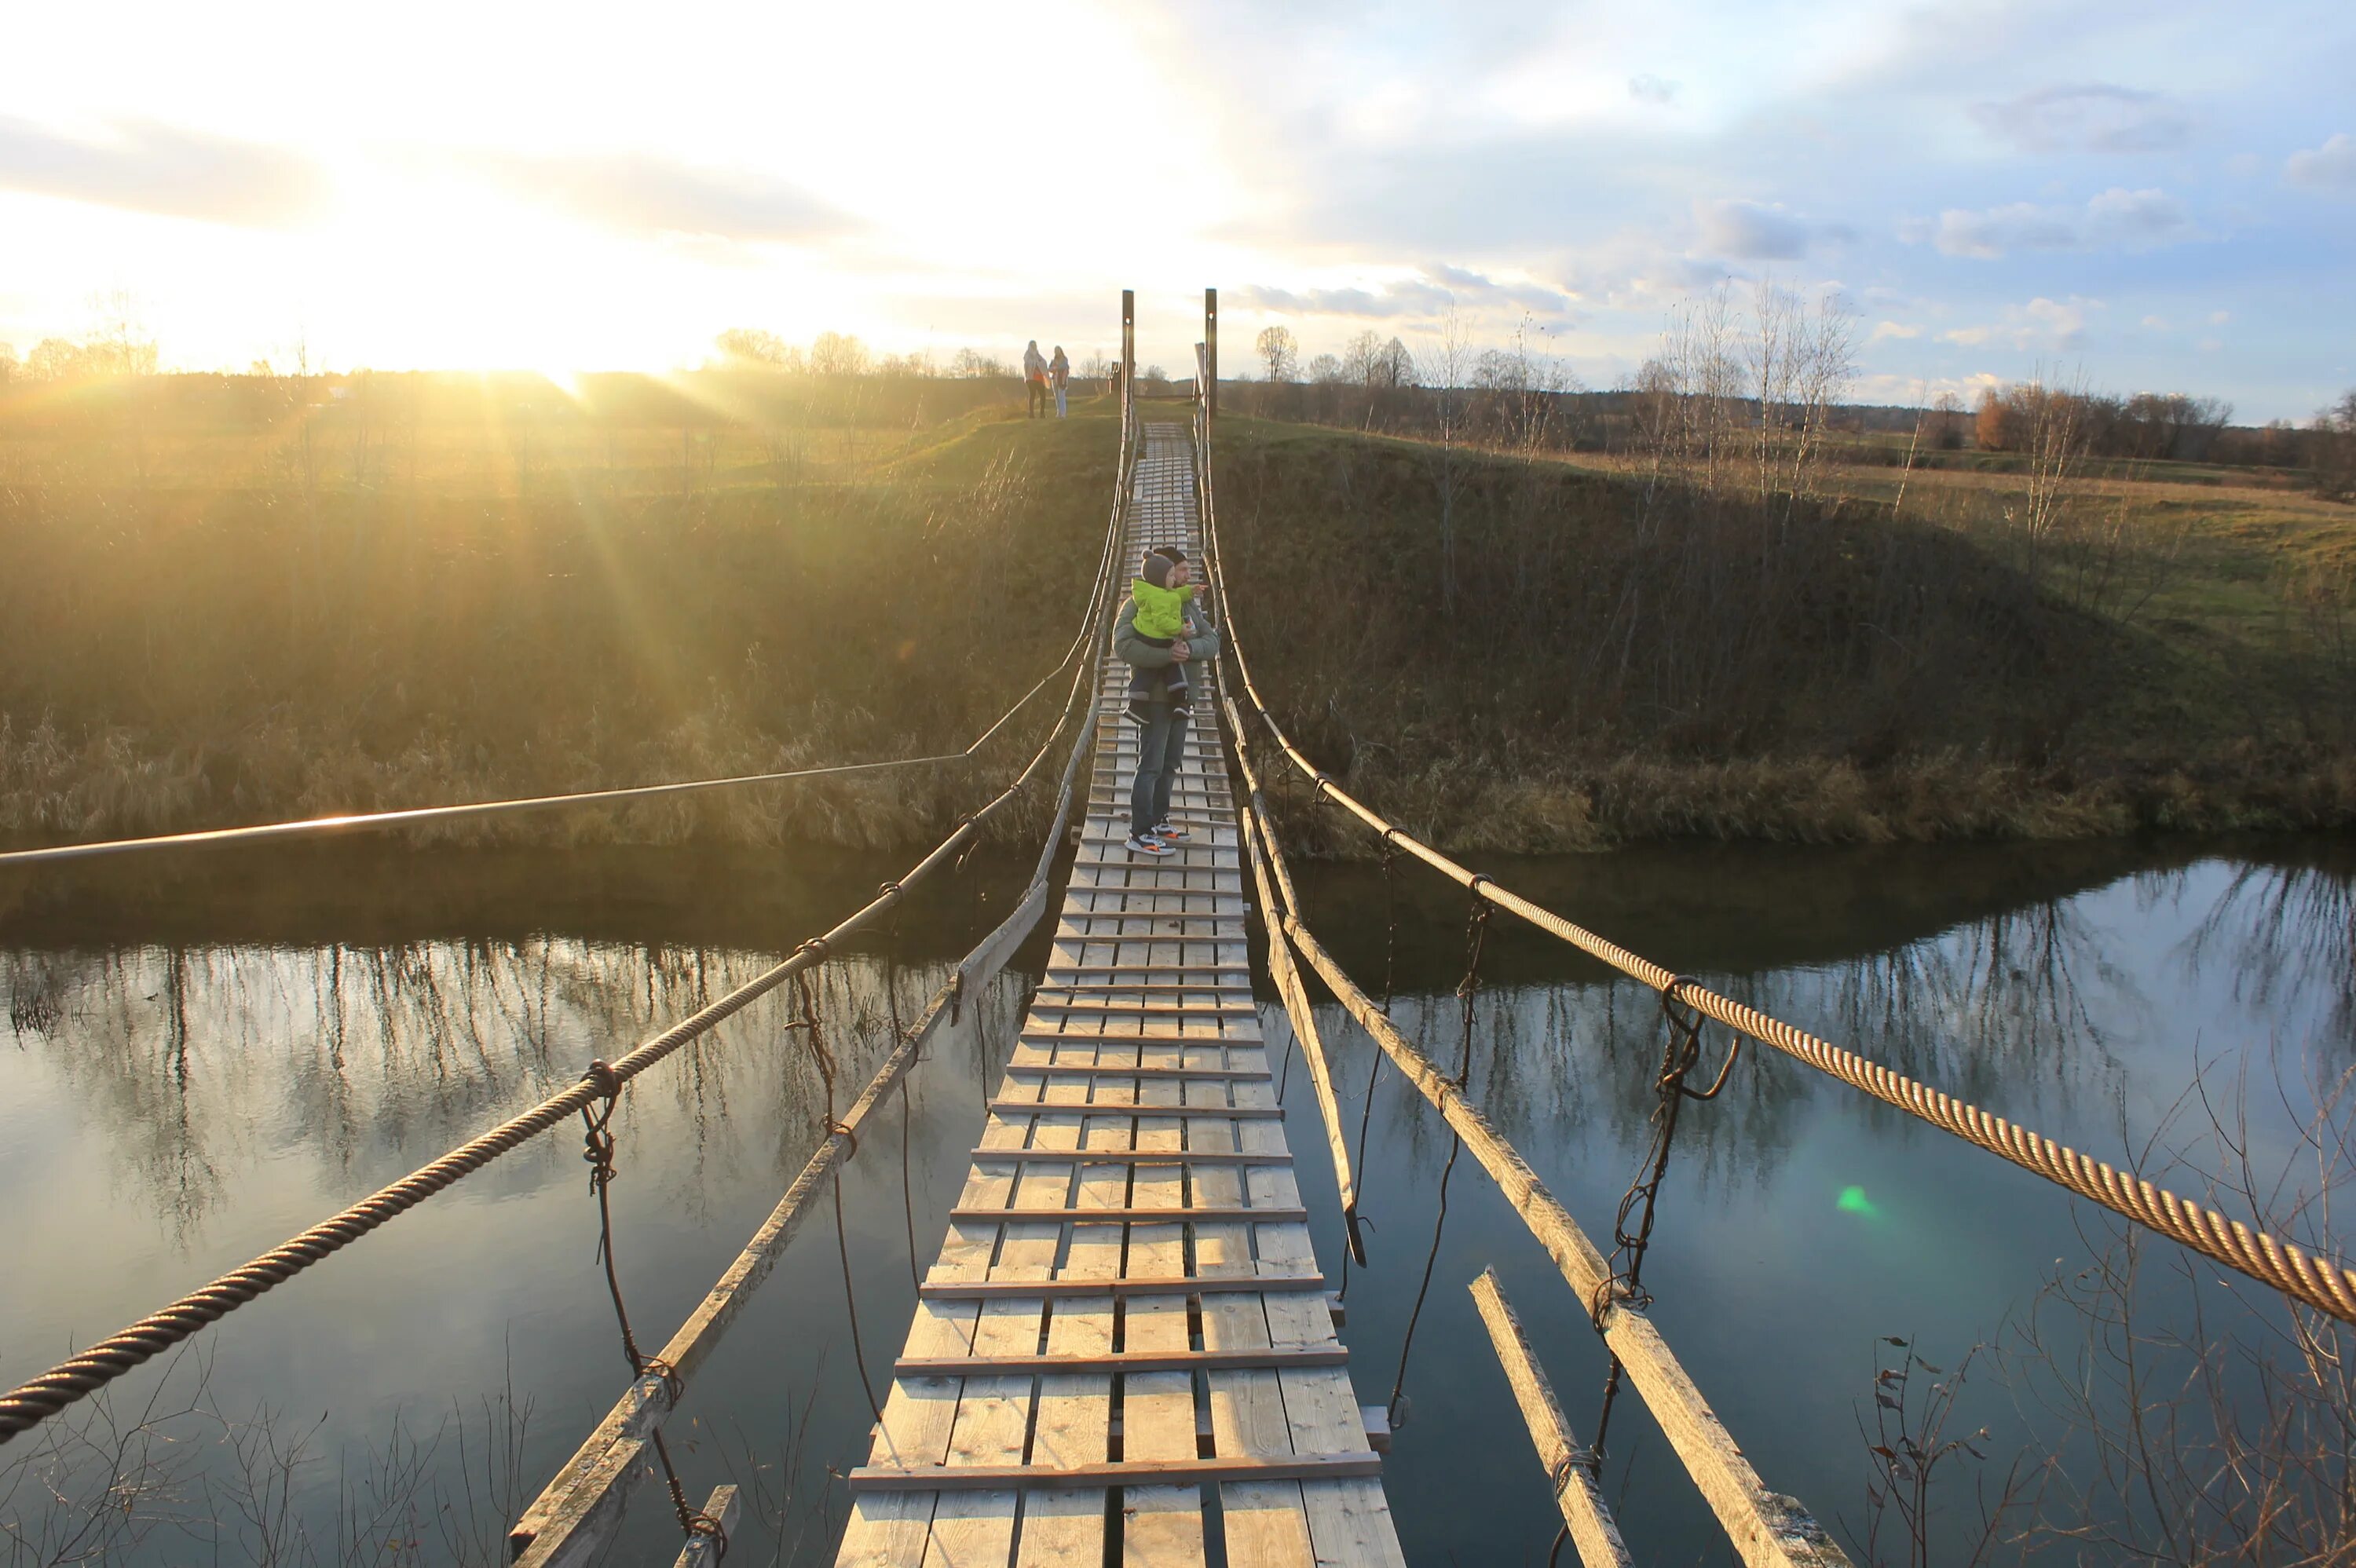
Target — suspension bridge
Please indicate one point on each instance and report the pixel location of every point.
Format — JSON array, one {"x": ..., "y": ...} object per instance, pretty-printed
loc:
[{"x": 1124, "y": 1350}]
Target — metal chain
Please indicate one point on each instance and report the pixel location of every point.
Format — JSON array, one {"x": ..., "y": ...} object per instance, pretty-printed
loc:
[
  {"x": 900, "y": 1034},
  {"x": 1357, "y": 1218},
  {"x": 806, "y": 996},
  {"x": 598, "y": 1150},
  {"x": 1395, "y": 1412},
  {"x": 1476, "y": 940},
  {"x": 1680, "y": 1054}
]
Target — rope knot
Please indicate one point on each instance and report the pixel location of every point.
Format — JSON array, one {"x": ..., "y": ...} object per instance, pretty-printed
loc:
[
  {"x": 817, "y": 946},
  {"x": 841, "y": 1129},
  {"x": 602, "y": 1075},
  {"x": 891, "y": 889}
]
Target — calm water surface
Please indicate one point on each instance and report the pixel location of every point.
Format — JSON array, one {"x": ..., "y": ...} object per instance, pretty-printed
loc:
[{"x": 196, "y": 1068}]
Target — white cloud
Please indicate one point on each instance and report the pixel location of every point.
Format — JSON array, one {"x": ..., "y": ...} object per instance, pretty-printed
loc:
[
  {"x": 2040, "y": 324},
  {"x": 2157, "y": 323},
  {"x": 2094, "y": 118},
  {"x": 2331, "y": 166},
  {"x": 2118, "y": 219},
  {"x": 2220, "y": 318},
  {"x": 1651, "y": 89},
  {"x": 1427, "y": 294},
  {"x": 1893, "y": 329}
]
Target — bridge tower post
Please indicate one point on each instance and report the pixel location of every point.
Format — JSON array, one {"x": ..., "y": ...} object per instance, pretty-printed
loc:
[
  {"x": 1211, "y": 352},
  {"x": 1127, "y": 341}
]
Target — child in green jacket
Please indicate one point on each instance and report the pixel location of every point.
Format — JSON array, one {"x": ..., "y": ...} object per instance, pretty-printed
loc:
[{"x": 1160, "y": 619}]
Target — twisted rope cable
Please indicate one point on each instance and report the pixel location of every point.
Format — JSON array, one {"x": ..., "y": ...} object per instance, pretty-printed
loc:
[
  {"x": 79, "y": 1376},
  {"x": 2325, "y": 1283}
]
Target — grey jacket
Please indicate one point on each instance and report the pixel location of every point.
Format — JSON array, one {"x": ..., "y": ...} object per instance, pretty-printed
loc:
[{"x": 1201, "y": 644}]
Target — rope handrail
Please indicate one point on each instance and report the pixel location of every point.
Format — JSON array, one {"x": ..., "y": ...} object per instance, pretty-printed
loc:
[
  {"x": 2322, "y": 1283},
  {"x": 76, "y": 1377},
  {"x": 412, "y": 816}
]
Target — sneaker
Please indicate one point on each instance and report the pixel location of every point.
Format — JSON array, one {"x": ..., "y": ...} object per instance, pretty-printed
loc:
[
  {"x": 1138, "y": 712},
  {"x": 1147, "y": 845},
  {"x": 1169, "y": 831}
]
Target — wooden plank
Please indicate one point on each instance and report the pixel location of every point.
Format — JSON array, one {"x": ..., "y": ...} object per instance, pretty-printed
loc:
[
  {"x": 1234, "y": 1112},
  {"x": 995, "y": 1364},
  {"x": 1566, "y": 1464},
  {"x": 1065, "y": 1527},
  {"x": 890, "y": 1531},
  {"x": 993, "y": 1415},
  {"x": 1162, "y": 1527},
  {"x": 1050, "y": 1214},
  {"x": 1138, "y": 1157},
  {"x": 1128, "y": 1472},
  {"x": 1262, "y": 1518},
  {"x": 1064, "y": 1285},
  {"x": 1193, "y": 1074}
]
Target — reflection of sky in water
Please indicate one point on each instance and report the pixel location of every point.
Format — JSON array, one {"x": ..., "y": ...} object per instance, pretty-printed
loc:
[{"x": 166, "y": 1115}]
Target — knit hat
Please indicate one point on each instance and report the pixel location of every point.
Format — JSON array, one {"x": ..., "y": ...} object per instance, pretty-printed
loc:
[
  {"x": 1155, "y": 570},
  {"x": 1170, "y": 552}
]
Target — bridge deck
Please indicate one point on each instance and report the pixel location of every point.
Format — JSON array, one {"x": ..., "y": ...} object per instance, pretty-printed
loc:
[{"x": 1119, "y": 1388}]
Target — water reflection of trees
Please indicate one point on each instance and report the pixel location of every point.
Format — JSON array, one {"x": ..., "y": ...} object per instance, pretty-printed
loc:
[
  {"x": 194, "y": 1065},
  {"x": 1996, "y": 1011},
  {"x": 2282, "y": 933}
]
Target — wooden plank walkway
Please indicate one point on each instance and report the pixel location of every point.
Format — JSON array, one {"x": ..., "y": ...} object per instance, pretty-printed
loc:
[{"x": 1119, "y": 1411}]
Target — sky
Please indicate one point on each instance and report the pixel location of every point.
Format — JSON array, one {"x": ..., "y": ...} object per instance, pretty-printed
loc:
[{"x": 2155, "y": 194}]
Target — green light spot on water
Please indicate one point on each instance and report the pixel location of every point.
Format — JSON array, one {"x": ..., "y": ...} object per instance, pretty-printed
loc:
[{"x": 1853, "y": 1200}]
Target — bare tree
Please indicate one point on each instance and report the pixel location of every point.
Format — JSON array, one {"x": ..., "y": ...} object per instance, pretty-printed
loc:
[
  {"x": 2335, "y": 450},
  {"x": 1279, "y": 352},
  {"x": 838, "y": 354},
  {"x": 750, "y": 348}
]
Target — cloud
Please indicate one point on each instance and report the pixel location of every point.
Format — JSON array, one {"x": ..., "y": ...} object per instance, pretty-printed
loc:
[
  {"x": 2331, "y": 166},
  {"x": 2040, "y": 324},
  {"x": 1751, "y": 230},
  {"x": 2094, "y": 118},
  {"x": 2118, "y": 219},
  {"x": 1427, "y": 294},
  {"x": 1894, "y": 329},
  {"x": 1651, "y": 89},
  {"x": 140, "y": 166},
  {"x": 639, "y": 195}
]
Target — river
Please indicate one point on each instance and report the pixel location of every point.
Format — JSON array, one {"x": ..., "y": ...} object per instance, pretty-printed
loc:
[{"x": 202, "y": 1060}]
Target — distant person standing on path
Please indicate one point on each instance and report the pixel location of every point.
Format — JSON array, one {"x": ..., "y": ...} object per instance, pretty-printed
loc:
[
  {"x": 1162, "y": 722},
  {"x": 1034, "y": 375},
  {"x": 1060, "y": 376}
]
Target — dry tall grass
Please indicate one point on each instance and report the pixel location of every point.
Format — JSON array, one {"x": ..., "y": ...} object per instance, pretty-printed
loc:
[{"x": 193, "y": 652}]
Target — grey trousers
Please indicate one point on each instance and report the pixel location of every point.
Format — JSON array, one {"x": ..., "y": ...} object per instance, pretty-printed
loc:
[{"x": 1159, "y": 746}]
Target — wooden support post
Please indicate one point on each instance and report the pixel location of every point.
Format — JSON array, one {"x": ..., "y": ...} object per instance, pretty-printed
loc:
[
  {"x": 705, "y": 1551},
  {"x": 1127, "y": 344},
  {"x": 1297, "y": 1010},
  {"x": 1211, "y": 353},
  {"x": 1591, "y": 1530}
]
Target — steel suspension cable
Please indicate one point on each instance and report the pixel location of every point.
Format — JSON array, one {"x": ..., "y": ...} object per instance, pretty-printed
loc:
[
  {"x": 80, "y": 1375},
  {"x": 2325, "y": 1283}
]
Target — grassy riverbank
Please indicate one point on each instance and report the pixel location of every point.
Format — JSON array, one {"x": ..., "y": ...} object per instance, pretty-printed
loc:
[
  {"x": 1533, "y": 655},
  {"x": 189, "y": 651},
  {"x": 335, "y": 610}
]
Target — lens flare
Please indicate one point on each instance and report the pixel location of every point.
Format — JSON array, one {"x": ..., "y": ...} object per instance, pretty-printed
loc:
[{"x": 1853, "y": 1200}]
